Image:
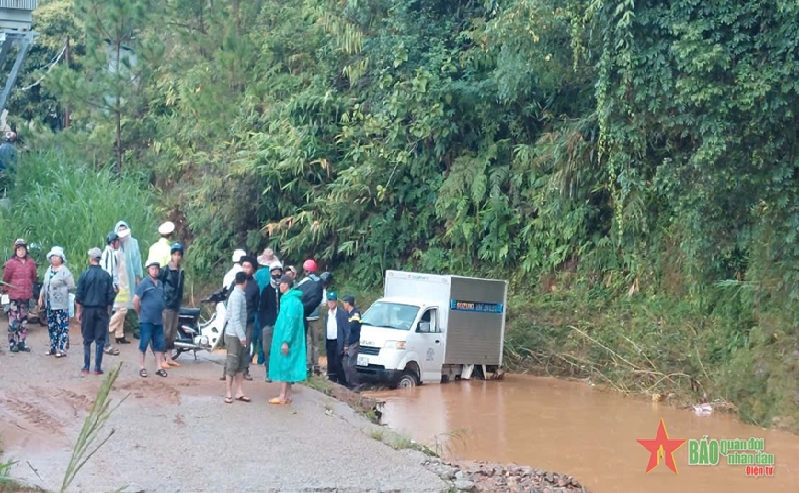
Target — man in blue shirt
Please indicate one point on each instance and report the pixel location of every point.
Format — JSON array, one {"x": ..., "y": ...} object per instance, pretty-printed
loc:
[
  {"x": 94, "y": 298},
  {"x": 149, "y": 305}
]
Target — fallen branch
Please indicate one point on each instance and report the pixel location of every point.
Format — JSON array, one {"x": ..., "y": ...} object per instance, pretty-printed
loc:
[{"x": 614, "y": 353}]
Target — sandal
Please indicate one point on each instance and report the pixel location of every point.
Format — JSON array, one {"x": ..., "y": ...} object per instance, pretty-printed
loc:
[
  {"x": 161, "y": 373},
  {"x": 143, "y": 373},
  {"x": 60, "y": 355},
  {"x": 276, "y": 400},
  {"x": 112, "y": 351},
  {"x": 228, "y": 400},
  {"x": 50, "y": 352},
  {"x": 243, "y": 398}
]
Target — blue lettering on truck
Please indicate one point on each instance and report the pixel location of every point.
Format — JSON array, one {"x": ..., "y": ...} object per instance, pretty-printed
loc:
[{"x": 474, "y": 306}]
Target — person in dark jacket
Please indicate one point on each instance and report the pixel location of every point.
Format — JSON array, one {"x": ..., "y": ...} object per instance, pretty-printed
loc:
[
  {"x": 93, "y": 301},
  {"x": 353, "y": 342},
  {"x": 336, "y": 326},
  {"x": 173, "y": 277},
  {"x": 268, "y": 307}
]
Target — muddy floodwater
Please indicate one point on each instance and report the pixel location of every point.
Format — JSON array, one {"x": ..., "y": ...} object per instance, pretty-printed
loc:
[{"x": 574, "y": 428}]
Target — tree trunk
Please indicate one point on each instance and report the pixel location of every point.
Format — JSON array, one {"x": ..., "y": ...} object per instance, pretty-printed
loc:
[
  {"x": 66, "y": 107},
  {"x": 119, "y": 138},
  {"x": 119, "y": 112}
]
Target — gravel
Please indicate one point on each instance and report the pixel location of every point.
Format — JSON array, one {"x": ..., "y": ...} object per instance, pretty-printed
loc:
[
  {"x": 176, "y": 434},
  {"x": 485, "y": 477}
]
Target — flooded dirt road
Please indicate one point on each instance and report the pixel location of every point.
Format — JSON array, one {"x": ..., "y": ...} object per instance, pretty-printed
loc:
[{"x": 573, "y": 428}]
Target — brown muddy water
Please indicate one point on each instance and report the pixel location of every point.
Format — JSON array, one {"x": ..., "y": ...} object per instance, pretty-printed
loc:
[{"x": 573, "y": 428}]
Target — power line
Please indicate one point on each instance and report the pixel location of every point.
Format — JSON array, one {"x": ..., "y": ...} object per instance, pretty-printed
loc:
[{"x": 52, "y": 64}]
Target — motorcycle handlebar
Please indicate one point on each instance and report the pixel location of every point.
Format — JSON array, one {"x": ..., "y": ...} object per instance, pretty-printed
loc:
[{"x": 216, "y": 296}]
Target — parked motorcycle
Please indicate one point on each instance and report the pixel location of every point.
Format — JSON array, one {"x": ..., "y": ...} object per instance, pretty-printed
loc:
[
  {"x": 35, "y": 315},
  {"x": 194, "y": 334}
]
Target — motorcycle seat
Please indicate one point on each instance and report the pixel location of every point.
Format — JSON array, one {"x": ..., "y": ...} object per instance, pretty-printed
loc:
[{"x": 189, "y": 312}]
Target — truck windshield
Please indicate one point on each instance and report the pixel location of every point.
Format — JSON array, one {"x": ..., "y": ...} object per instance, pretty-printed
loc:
[{"x": 390, "y": 316}]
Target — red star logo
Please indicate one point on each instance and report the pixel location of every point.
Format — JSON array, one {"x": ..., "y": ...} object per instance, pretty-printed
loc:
[{"x": 661, "y": 446}]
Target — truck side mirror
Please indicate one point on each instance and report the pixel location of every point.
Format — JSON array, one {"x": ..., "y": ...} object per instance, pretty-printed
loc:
[{"x": 424, "y": 327}]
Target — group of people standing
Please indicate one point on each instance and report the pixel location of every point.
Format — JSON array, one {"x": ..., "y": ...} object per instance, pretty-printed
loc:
[
  {"x": 113, "y": 283},
  {"x": 269, "y": 310},
  {"x": 269, "y": 313}
]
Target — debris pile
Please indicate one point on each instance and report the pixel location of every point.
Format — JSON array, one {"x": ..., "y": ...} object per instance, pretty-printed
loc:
[{"x": 485, "y": 477}]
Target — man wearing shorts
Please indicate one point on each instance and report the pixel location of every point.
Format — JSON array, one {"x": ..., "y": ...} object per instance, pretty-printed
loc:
[
  {"x": 172, "y": 276},
  {"x": 149, "y": 305},
  {"x": 238, "y": 357}
]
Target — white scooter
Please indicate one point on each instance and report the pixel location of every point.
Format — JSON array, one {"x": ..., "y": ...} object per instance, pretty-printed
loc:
[{"x": 195, "y": 334}]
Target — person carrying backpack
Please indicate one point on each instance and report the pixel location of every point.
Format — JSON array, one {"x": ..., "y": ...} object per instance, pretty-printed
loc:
[{"x": 312, "y": 289}]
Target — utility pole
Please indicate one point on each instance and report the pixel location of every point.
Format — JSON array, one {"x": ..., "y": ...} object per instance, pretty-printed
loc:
[{"x": 15, "y": 23}]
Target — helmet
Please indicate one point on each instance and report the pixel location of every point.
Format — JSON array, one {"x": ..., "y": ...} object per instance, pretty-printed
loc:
[
  {"x": 152, "y": 262},
  {"x": 326, "y": 278},
  {"x": 237, "y": 254},
  {"x": 276, "y": 266},
  {"x": 110, "y": 237},
  {"x": 20, "y": 243},
  {"x": 309, "y": 265},
  {"x": 176, "y": 247},
  {"x": 10, "y": 136}
]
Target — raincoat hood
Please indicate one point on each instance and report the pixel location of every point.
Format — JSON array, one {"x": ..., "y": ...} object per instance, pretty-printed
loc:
[{"x": 292, "y": 293}]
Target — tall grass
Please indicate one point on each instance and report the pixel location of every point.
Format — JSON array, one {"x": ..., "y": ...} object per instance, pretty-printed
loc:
[{"x": 60, "y": 200}]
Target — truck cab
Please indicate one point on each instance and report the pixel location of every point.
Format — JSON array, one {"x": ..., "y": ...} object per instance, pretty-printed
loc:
[{"x": 401, "y": 342}]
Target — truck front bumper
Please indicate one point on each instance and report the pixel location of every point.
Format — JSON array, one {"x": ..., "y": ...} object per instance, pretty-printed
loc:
[{"x": 377, "y": 373}]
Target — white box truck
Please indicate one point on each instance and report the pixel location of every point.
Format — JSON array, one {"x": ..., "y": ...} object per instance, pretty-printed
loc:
[{"x": 432, "y": 328}]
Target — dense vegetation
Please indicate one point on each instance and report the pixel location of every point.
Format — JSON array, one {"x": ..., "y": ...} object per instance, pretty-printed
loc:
[{"x": 630, "y": 166}]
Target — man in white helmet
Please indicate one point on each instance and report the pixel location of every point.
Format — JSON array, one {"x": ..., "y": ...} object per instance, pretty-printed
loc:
[
  {"x": 161, "y": 249},
  {"x": 230, "y": 277}
]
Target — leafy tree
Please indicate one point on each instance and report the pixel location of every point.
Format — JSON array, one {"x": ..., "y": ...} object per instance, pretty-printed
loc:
[
  {"x": 109, "y": 88},
  {"x": 32, "y": 101}
]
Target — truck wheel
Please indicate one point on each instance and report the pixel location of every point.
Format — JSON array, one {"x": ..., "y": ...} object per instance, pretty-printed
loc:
[{"x": 408, "y": 380}]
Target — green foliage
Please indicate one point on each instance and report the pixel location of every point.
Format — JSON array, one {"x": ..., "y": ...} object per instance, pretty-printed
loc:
[
  {"x": 107, "y": 87},
  {"x": 57, "y": 200},
  {"x": 32, "y": 102}
]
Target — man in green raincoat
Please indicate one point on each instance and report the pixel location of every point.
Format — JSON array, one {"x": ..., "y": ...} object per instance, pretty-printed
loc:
[{"x": 288, "y": 352}]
